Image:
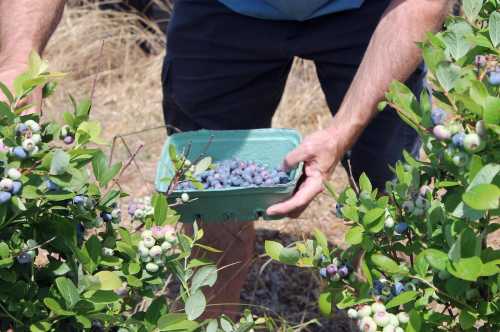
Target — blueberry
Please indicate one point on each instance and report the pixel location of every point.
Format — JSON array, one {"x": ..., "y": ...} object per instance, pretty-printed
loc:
[
  {"x": 236, "y": 181},
  {"x": 458, "y": 139},
  {"x": 269, "y": 182},
  {"x": 460, "y": 159},
  {"x": 338, "y": 210},
  {"x": 233, "y": 164},
  {"x": 257, "y": 180},
  {"x": 24, "y": 258},
  {"x": 323, "y": 273},
  {"x": 284, "y": 178},
  {"x": 343, "y": 271},
  {"x": 331, "y": 269},
  {"x": 21, "y": 129},
  {"x": 378, "y": 286},
  {"x": 472, "y": 142},
  {"x": 401, "y": 228},
  {"x": 78, "y": 200},
  {"x": 438, "y": 116},
  {"x": 19, "y": 152},
  {"x": 68, "y": 140},
  {"x": 5, "y": 197},
  {"x": 16, "y": 187},
  {"x": 51, "y": 186},
  {"x": 106, "y": 216},
  {"x": 97, "y": 326},
  {"x": 494, "y": 78},
  {"x": 441, "y": 132},
  {"x": 80, "y": 230},
  {"x": 398, "y": 288},
  {"x": 276, "y": 179}
]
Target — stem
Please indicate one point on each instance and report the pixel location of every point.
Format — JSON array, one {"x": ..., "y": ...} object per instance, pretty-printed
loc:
[{"x": 10, "y": 315}]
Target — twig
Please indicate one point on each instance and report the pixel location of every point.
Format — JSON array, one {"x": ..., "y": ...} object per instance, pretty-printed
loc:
[
  {"x": 10, "y": 315},
  {"x": 94, "y": 83}
]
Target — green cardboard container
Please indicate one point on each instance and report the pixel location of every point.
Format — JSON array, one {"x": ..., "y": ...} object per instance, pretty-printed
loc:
[{"x": 269, "y": 146}]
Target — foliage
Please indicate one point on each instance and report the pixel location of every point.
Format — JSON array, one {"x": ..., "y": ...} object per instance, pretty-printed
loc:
[
  {"x": 66, "y": 261},
  {"x": 421, "y": 246}
]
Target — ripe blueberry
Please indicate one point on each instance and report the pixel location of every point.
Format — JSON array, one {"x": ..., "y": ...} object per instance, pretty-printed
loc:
[
  {"x": 323, "y": 273},
  {"x": 68, "y": 140},
  {"x": 5, "y": 197},
  {"x": 106, "y": 216},
  {"x": 21, "y": 129},
  {"x": 79, "y": 200},
  {"x": 398, "y": 288},
  {"x": 51, "y": 186},
  {"x": 438, "y": 116},
  {"x": 331, "y": 269},
  {"x": 16, "y": 187},
  {"x": 343, "y": 271},
  {"x": 25, "y": 258},
  {"x": 458, "y": 140},
  {"x": 401, "y": 228},
  {"x": 494, "y": 78},
  {"x": 19, "y": 152}
]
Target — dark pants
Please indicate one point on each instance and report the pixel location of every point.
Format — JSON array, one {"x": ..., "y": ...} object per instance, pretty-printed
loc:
[{"x": 224, "y": 70}]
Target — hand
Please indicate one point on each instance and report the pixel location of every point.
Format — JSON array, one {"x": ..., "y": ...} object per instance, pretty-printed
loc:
[
  {"x": 8, "y": 72},
  {"x": 320, "y": 153}
]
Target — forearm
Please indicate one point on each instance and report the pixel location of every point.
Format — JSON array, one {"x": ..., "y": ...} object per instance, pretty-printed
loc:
[
  {"x": 26, "y": 25},
  {"x": 392, "y": 54}
]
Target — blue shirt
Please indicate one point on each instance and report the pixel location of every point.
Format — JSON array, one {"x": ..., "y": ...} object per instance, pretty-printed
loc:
[{"x": 299, "y": 10}]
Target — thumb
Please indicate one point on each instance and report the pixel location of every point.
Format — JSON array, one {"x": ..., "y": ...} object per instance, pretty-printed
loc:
[{"x": 299, "y": 154}]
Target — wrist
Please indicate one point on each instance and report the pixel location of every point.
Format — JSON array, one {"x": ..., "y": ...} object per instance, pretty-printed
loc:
[{"x": 345, "y": 131}]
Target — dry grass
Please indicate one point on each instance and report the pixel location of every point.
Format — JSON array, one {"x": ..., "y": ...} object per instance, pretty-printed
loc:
[{"x": 128, "y": 98}]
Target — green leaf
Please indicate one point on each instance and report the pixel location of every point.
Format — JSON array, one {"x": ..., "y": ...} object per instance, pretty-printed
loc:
[
  {"x": 467, "y": 320},
  {"x": 109, "y": 280},
  {"x": 482, "y": 197},
  {"x": 365, "y": 184},
  {"x": 195, "y": 305},
  {"x": 415, "y": 323},
  {"x": 160, "y": 209},
  {"x": 472, "y": 8},
  {"x": 350, "y": 213},
  {"x": 366, "y": 272},
  {"x": 172, "y": 152},
  {"x": 485, "y": 175},
  {"x": 4, "y": 250},
  {"x": 212, "y": 325},
  {"x": 402, "y": 298},
  {"x": 325, "y": 304},
  {"x": 176, "y": 322},
  {"x": 373, "y": 215},
  {"x": 321, "y": 241},
  {"x": 6, "y": 92},
  {"x": 202, "y": 165},
  {"x": 447, "y": 74},
  {"x": 494, "y": 25},
  {"x": 354, "y": 235},
  {"x": 110, "y": 173},
  {"x": 60, "y": 162},
  {"x": 436, "y": 258},
  {"x": 421, "y": 265},
  {"x": 289, "y": 256},
  {"x": 104, "y": 297},
  {"x": 491, "y": 115},
  {"x": 68, "y": 291},
  {"x": 56, "y": 308},
  {"x": 466, "y": 268},
  {"x": 273, "y": 249},
  {"x": 83, "y": 108},
  {"x": 41, "y": 326},
  {"x": 386, "y": 264},
  {"x": 205, "y": 276},
  {"x": 456, "y": 44}
]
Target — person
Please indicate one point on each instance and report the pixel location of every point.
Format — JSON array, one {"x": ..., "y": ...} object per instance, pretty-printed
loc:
[{"x": 226, "y": 67}]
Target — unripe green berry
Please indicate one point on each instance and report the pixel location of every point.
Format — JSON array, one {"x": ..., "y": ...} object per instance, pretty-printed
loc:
[
  {"x": 403, "y": 317},
  {"x": 352, "y": 313},
  {"x": 367, "y": 324},
  {"x": 389, "y": 222},
  {"x": 394, "y": 321},
  {"x": 155, "y": 251},
  {"x": 472, "y": 143},
  {"x": 365, "y": 311},
  {"x": 149, "y": 242},
  {"x": 166, "y": 246},
  {"x": 14, "y": 174},
  {"x": 381, "y": 318},
  {"x": 185, "y": 197},
  {"x": 146, "y": 233},
  {"x": 481, "y": 128},
  {"x": 378, "y": 307},
  {"x": 152, "y": 267}
]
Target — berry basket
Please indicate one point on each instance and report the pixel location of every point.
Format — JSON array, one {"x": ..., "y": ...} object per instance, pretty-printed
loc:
[{"x": 239, "y": 204}]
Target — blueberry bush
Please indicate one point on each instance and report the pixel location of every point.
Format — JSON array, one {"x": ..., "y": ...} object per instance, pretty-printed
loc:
[
  {"x": 67, "y": 261},
  {"x": 419, "y": 255}
]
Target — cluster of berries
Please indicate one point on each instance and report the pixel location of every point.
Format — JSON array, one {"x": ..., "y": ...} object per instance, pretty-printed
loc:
[
  {"x": 28, "y": 254},
  {"x": 385, "y": 292},
  {"x": 88, "y": 203},
  {"x": 334, "y": 271},
  {"x": 461, "y": 143},
  {"x": 375, "y": 318},
  {"x": 10, "y": 185},
  {"x": 418, "y": 203},
  {"x": 237, "y": 173},
  {"x": 67, "y": 135},
  {"x": 492, "y": 68},
  {"x": 29, "y": 132},
  {"x": 156, "y": 245},
  {"x": 140, "y": 208}
]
